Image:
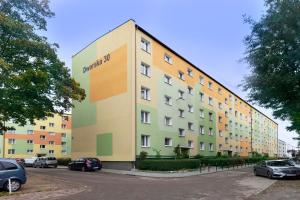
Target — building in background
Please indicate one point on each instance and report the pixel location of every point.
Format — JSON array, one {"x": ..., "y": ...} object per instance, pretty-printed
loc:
[
  {"x": 143, "y": 96},
  {"x": 282, "y": 149},
  {"x": 49, "y": 137}
]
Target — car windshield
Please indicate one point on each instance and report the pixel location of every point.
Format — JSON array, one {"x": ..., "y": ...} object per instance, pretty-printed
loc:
[
  {"x": 278, "y": 164},
  {"x": 51, "y": 158},
  {"x": 93, "y": 159}
]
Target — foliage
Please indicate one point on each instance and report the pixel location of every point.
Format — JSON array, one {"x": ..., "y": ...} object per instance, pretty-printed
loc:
[
  {"x": 273, "y": 53},
  {"x": 34, "y": 83},
  {"x": 177, "y": 151},
  {"x": 63, "y": 161},
  {"x": 157, "y": 153},
  {"x": 143, "y": 155},
  {"x": 198, "y": 156}
]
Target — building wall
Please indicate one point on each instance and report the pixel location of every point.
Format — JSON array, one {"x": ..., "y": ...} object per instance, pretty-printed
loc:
[
  {"x": 18, "y": 140},
  {"x": 107, "y": 124},
  {"x": 282, "y": 150},
  {"x": 103, "y": 124}
]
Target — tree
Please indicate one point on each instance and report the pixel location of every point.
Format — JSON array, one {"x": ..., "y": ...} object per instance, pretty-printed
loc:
[
  {"x": 34, "y": 83},
  {"x": 273, "y": 54}
]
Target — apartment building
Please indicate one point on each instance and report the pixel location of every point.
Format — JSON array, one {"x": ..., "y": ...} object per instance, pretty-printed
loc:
[
  {"x": 49, "y": 137},
  {"x": 143, "y": 96},
  {"x": 282, "y": 150}
]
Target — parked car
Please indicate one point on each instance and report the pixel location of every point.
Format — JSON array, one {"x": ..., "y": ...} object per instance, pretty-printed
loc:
[
  {"x": 295, "y": 162},
  {"x": 276, "y": 169},
  {"x": 29, "y": 161},
  {"x": 85, "y": 164},
  {"x": 43, "y": 162},
  {"x": 10, "y": 169},
  {"x": 21, "y": 161}
]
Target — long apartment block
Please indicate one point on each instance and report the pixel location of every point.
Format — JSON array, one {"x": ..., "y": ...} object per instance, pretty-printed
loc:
[
  {"x": 48, "y": 137},
  {"x": 143, "y": 96}
]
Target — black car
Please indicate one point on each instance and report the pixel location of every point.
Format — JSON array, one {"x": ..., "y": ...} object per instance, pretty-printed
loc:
[{"x": 85, "y": 164}]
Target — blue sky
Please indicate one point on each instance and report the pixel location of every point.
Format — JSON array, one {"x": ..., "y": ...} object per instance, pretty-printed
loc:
[{"x": 209, "y": 33}]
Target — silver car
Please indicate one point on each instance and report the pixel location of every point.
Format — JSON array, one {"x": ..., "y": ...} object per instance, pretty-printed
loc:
[
  {"x": 43, "y": 162},
  {"x": 276, "y": 169}
]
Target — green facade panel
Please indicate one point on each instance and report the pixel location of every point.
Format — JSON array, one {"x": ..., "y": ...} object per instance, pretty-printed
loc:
[{"x": 104, "y": 144}]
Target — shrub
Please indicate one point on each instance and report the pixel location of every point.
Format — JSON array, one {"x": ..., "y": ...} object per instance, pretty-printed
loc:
[
  {"x": 143, "y": 155},
  {"x": 168, "y": 165},
  {"x": 177, "y": 151},
  {"x": 63, "y": 161}
]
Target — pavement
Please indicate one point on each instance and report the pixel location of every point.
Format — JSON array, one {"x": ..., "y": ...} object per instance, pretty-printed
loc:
[{"x": 226, "y": 185}]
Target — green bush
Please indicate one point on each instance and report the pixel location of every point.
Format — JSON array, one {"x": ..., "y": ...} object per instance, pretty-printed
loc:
[
  {"x": 168, "y": 165},
  {"x": 63, "y": 161},
  {"x": 143, "y": 155}
]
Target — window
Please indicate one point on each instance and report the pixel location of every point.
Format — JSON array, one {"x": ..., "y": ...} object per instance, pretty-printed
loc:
[
  {"x": 202, "y": 146},
  {"x": 226, "y": 114},
  {"x": 63, "y": 151},
  {"x": 190, "y": 126},
  {"x": 210, "y": 85},
  {"x": 63, "y": 135},
  {"x": 190, "y": 90},
  {"x": 201, "y": 96},
  {"x": 226, "y": 101},
  {"x": 181, "y": 132},
  {"x": 211, "y": 146},
  {"x": 51, "y": 142},
  {"x": 230, "y": 110},
  {"x": 190, "y": 108},
  {"x": 181, "y": 112},
  {"x": 181, "y": 75},
  {"x": 11, "y": 131},
  {"x": 145, "y": 141},
  {"x": 145, "y": 93},
  {"x": 65, "y": 118},
  {"x": 145, "y": 45},
  {"x": 51, "y": 133},
  {"x": 235, "y": 113},
  {"x": 145, "y": 69},
  {"x": 168, "y": 79},
  {"x": 220, "y": 146},
  {"x": 29, "y": 141},
  {"x": 42, "y": 137},
  {"x": 210, "y": 101},
  {"x": 202, "y": 113},
  {"x": 226, "y": 127},
  {"x": 230, "y": 97},
  {"x": 220, "y": 119},
  {"x": 29, "y": 131},
  {"x": 29, "y": 151},
  {"x": 42, "y": 127},
  {"x": 230, "y": 135},
  {"x": 220, "y": 105},
  {"x": 201, "y": 130},
  {"x": 11, "y": 141},
  {"x": 51, "y": 151},
  {"x": 51, "y": 124},
  {"x": 219, "y": 90},
  {"x": 190, "y": 144},
  {"x": 63, "y": 143},
  {"x": 220, "y": 133},
  {"x": 168, "y": 142},
  {"x": 168, "y": 59},
  {"x": 181, "y": 94},
  {"x": 190, "y": 72},
  {"x": 226, "y": 140},
  {"x": 168, "y": 100},
  {"x": 210, "y": 131},
  {"x": 8, "y": 165},
  {"x": 210, "y": 115},
  {"x": 168, "y": 121},
  {"x": 42, "y": 146},
  {"x": 145, "y": 117},
  {"x": 63, "y": 126},
  {"x": 201, "y": 80}
]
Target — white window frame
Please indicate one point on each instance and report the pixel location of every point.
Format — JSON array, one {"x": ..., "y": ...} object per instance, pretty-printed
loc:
[
  {"x": 190, "y": 108},
  {"x": 168, "y": 79},
  {"x": 201, "y": 80},
  {"x": 183, "y": 132},
  {"x": 145, "y": 141},
  {"x": 191, "y": 126},
  {"x": 181, "y": 75},
  {"x": 145, "y": 117},
  {"x": 202, "y": 146},
  {"x": 145, "y": 93},
  {"x": 145, "y": 45},
  {"x": 170, "y": 142},
  {"x": 11, "y": 141},
  {"x": 168, "y": 58},
  {"x": 168, "y": 121},
  {"x": 168, "y": 100},
  {"x": 145, "y": 69},
  {"x": 201, "y": 130}
]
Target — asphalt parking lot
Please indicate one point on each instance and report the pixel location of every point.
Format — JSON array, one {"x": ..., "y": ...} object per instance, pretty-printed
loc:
[{"x": 238, "y": 184}]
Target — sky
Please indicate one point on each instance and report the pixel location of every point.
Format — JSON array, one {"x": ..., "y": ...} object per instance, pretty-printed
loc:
[{"x": 209, "y": 33}]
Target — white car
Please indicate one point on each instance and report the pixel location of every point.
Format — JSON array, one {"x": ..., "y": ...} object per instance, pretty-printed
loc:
[{"x": 29, "y": 161}]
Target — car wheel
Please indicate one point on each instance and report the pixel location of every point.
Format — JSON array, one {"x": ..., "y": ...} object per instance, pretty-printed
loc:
[
  {"x": 269, "y": 174},
  {"x": 255, "y": 172},
  {"x": 55, "y": 166},
  {"x": 15, "y": 185}
]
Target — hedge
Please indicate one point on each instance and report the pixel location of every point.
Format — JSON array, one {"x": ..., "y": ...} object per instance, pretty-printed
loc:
[
  {"x": 179, "y": 164},
  {"x": 63, "y": 161}
]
